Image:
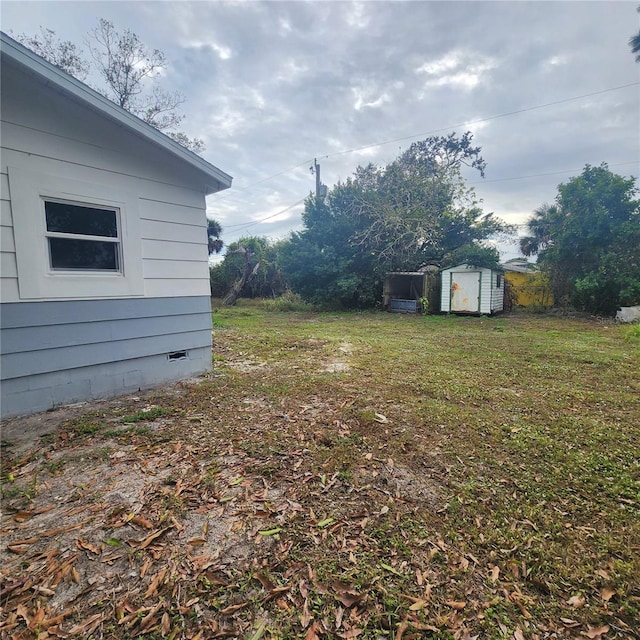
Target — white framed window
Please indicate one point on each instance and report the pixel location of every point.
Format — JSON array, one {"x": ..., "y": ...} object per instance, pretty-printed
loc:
[
  {"x": 82, "y": 237},
  {"x": 75, "y": 239}
]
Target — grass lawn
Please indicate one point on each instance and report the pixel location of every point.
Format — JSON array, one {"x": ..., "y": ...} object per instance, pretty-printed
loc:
[{"x": 362, "y": 475}]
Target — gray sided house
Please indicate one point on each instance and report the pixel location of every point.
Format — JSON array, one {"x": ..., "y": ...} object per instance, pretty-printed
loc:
[
  {"x": 104, "y": 280},
  {"x": 472, "y": 290}
]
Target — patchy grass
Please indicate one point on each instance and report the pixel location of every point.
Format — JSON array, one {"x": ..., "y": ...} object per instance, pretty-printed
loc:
[
  {"x": 364, "y": 475},
  {"x": 150, "y": 414}
]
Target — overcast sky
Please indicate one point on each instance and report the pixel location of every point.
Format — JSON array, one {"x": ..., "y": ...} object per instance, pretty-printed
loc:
[{"x": 271, "y": 85}]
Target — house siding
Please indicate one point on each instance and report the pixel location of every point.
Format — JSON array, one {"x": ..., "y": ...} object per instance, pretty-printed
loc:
[
  {"x": 43, "y": 132},
  {"x": 58, "y": 352},
  {"x": 8, "y": 265},
  {"x": 80, "y": 345}
]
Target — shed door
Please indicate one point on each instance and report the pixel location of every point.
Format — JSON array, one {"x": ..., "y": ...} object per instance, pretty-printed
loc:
[{"x": 465, "y": 291}]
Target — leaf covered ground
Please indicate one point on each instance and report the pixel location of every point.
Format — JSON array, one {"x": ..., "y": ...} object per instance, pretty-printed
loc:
[{"x": 341, "y": 476}]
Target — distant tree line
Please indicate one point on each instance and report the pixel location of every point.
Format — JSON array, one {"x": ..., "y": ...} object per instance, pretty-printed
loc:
[{"x": 416, "y": 211}]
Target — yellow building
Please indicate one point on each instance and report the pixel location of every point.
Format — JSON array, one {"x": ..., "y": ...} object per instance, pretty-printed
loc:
[{"x": 526, "y": 285}]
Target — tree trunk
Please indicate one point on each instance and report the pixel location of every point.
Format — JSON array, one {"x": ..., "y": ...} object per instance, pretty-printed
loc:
[{"x": 248, "y": 273}]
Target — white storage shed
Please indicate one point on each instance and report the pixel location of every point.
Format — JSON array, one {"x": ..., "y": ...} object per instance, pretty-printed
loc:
[
  {"x": 104, "y": 280},
  {"x": 472, "y": 290}
]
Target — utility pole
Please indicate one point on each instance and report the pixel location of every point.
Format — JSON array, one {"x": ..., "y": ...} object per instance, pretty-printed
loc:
[
  {"x": 316, "y": 171},
  {"x": 321, "y": 190}
]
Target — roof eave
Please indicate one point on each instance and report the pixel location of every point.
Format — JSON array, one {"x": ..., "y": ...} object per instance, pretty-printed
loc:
[{"x": 217, "y": 179}]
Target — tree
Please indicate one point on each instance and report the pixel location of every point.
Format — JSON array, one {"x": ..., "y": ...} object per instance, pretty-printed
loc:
[
  {"x": 414, "y": 212},
  {"x": 250, "y": 268},
  {"x": 634, "y": 43},
  {"x": 127, "y": 70},
  {"x": 589, "y": 241},
  {"x": 540, "y": 226},
  {"x": 214, "y": 231},
  {"x": 62, "y": 53}
]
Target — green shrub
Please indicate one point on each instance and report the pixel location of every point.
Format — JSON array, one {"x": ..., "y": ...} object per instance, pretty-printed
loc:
[
  {"x": 288, "y": 301},
  {"x": 632, "y": 332}
]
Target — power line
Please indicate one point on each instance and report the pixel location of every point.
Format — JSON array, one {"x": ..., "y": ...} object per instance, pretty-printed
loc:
[
  {"x": 540, "y": 175},
  {"x": 425, "y": 133},
  {"x": 254, "y": 222},
  {"x": 246, "y": 225},
  {"x": 480, "y": 120}
]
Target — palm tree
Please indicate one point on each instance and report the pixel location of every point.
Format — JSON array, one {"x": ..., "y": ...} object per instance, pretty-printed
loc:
[
  {"x": 634, "y": 43},
  {"x": 541, "y": 226},
  {"x": 214, "y": 231}
]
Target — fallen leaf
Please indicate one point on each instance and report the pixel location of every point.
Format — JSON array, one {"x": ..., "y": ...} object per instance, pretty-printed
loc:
[
  {"x": 402, "y": 627},
  {"x": 149, "y": 619},
  {"x": 149, "y": 539},
  {"x": 346, "y": 593},
  {"x": 232, "y": 608},
  {"x": 576, "y": 601},
  {"x": 87, "y": 546},
  {"x": 390, "y": 569},
  {"x": 606, "y": 593},
  {"x": 339, "y": 616},
  {"x": 495, "y": 574},
  {"x": 265, "y": 581},
  {"x": 305, "y": 618},
  {"x": 596, "y": 632},
  {"x": 259, "y": 632},
  {"x": 270, "y": 532},
  {"x": 165, "y": 624},
  {"x": 70, "y": 527},
  {"x": 416, "y": 606},
  {"x": 312, "y": 632},
  {"x": 142, "y": 522},
  {"x": 153, "y": 586},
  {"x": 456, "y": 604},
  {"x": 325, "y": 522},
  {"x": 87, "y": 626},
  {"x": 113, "y": 542},
  {"x": 568, "y": 622}
]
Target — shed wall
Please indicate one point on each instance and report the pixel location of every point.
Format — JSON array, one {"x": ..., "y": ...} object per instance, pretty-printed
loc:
[{"x": 491, "y": 296}]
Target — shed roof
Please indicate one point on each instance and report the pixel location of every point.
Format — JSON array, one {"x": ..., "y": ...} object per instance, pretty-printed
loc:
[
  {"x": 519, "y": 266},
  {"x": 215, "y": 179},
  {"x": 470, "y": 267}
]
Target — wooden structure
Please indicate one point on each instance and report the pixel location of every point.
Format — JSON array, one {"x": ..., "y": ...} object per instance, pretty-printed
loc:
[{"x": 412, "y": 291}]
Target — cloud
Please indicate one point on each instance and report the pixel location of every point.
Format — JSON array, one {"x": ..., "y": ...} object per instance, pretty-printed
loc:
[
  {"x": 271, "y": 85},
  {"x": 462, "y": 69},
  {"x": 364, "y": 98}
]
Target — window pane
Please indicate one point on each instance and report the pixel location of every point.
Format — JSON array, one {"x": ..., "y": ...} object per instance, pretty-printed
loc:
[
  {"x": 83, "y": 254},
  {"x": 73, "y": 218}
]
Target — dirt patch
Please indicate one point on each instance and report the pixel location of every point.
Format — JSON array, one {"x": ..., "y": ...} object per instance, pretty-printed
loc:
[
  {"x": 340, "y": 364},
  {"x": 23, "y": 432},
  {"x": 112, "y": 521}
]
